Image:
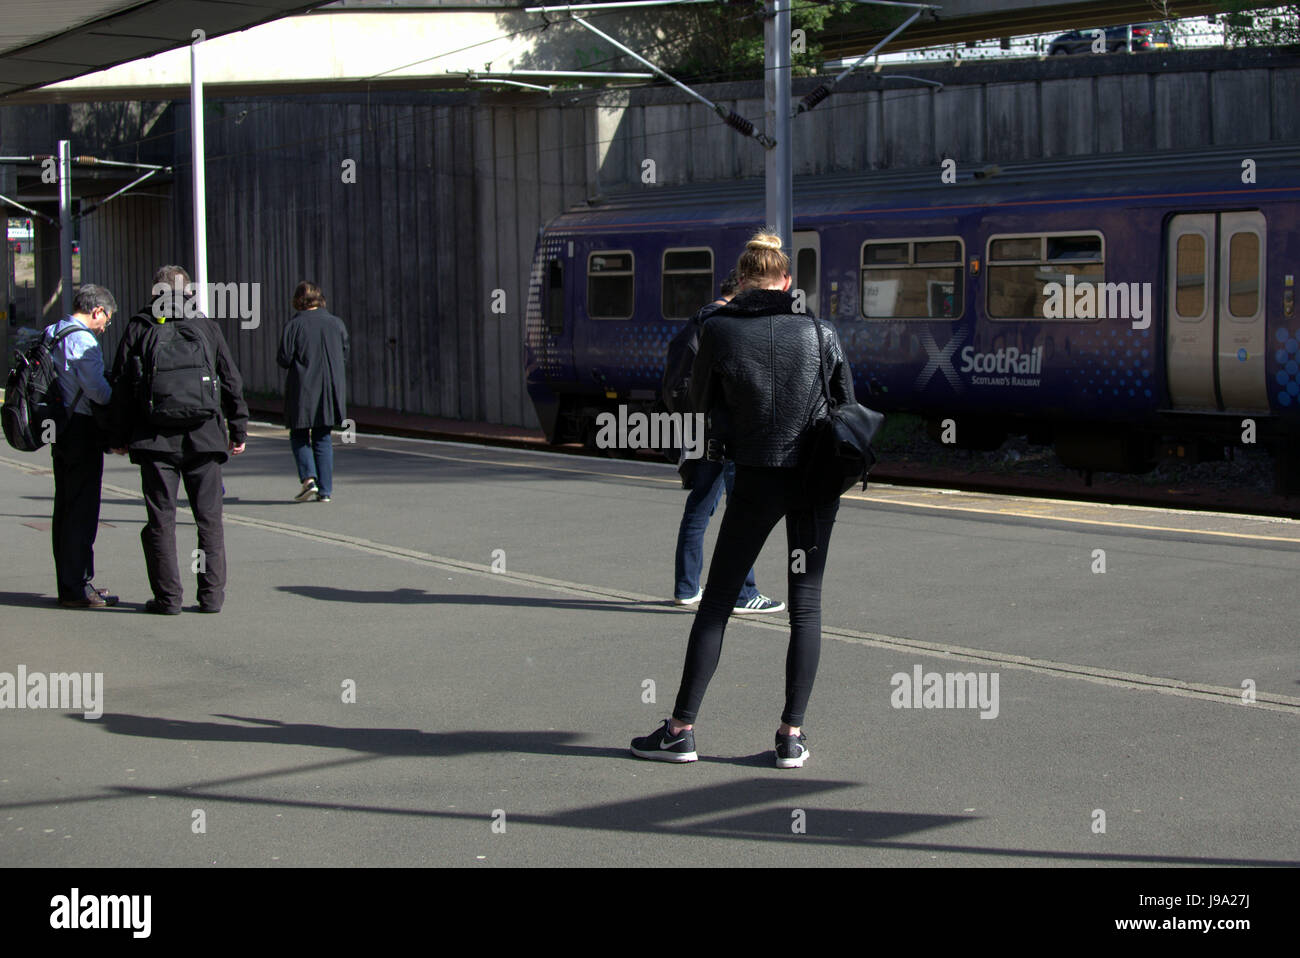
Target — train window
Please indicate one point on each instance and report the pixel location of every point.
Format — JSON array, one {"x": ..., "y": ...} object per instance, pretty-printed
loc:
[
  {"x": 1021, "y": 268},
  {"x": 947, "y": 252},
  {"x": 885, "y": 254},
  {"x": 913, "y": 279},
  {"x": 611, "y": 291},
  {"x": 1028, "y": 248},
  {"x": 1243, "y": 275},
  {"x": 555, "y": 297},
  {"x": 1086, "y": 249},
  {"x": 687, "y": 281},
  {"x": 1190, "y": 269},
  {"x": 806, "y": 268}
]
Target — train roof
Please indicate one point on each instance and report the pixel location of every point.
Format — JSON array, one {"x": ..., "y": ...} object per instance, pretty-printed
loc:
[{"x": 1136, "y": 174}]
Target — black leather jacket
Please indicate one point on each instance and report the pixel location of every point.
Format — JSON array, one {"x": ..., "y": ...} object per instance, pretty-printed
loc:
[{"x": 757, "y": 371}]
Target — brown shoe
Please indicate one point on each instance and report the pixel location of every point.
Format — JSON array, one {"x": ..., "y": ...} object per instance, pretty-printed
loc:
[
  {"x": 95, "y": 601},
  {"x": 104, "y": 594}
]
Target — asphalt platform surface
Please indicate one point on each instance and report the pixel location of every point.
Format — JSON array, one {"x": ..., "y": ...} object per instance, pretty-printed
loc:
[{"x": 504, "y": 615}]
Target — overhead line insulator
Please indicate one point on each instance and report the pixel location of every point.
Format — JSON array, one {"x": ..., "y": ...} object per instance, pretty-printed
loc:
[{"x": 814, "y": 97}]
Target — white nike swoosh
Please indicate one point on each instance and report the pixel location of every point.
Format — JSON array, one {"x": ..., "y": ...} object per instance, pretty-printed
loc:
[{"x": 671, "y": 744}]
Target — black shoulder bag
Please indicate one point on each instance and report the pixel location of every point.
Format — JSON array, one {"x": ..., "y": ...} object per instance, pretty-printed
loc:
[{"x": 837, "y": 451}]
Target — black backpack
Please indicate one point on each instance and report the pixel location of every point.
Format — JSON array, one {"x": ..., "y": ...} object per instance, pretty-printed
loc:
[
  {"x": 32, "y": 395},
  {"x": 178, "y": 384}
]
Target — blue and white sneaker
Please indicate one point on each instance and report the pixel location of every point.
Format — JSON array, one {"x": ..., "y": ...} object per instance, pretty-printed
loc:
[
  {"x": 791, "y": 751},
  {"x": 693, "y": 600},
  {"x": 758, "y": 604},
  {"x": 659, "y": 746}
]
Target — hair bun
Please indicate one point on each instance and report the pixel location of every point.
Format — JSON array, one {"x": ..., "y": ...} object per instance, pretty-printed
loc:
[{"x": 765, "y": 241}]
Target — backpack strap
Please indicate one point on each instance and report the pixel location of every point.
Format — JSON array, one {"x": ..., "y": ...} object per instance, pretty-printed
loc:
[{"x": 57, "y": 338}]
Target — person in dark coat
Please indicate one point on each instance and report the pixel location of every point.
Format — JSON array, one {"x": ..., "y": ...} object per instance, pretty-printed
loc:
[
  {"x": 192, "y": 453},
  {"x": 707, "y": 478},
  {"x": 759, "y": 370},
  {"x": 314, "y": 348}
]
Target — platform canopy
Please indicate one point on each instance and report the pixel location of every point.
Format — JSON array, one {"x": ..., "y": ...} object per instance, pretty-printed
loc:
[{"x": 43, "y": 42}]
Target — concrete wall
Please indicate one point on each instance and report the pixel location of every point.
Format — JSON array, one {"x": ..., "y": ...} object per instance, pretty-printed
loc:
[{"x": 985, "y": 113}]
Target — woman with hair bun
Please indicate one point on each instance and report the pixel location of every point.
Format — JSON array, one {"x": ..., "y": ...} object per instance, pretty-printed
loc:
[{"x": 758, "y": 372}]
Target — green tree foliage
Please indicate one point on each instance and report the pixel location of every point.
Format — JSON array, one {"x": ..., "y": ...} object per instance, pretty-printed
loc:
[
  {"x": 724, "y": 41},
  {"x": 1248, "y": 25}
]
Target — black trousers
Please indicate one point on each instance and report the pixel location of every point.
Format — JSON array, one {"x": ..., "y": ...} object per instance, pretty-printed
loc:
[
  {"x": 761, "y": 497},
  {"x": 160, "y": 475},
  {"x": 78, "y": 457}
]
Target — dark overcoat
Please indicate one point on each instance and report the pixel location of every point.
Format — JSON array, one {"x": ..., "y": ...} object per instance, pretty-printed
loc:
[{"x": 314, "y": 349}]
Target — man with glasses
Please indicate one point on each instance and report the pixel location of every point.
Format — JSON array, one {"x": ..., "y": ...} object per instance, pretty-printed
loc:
[{"x": 78, "y": 447}]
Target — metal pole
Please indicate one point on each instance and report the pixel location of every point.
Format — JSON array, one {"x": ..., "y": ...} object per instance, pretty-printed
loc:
[
  {"x": 65, "y": 225},
  {"x": 200, "y": 187},
  {"x": 779, "y": 164}
]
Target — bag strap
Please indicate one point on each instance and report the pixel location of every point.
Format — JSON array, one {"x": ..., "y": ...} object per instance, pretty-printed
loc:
[
  {"x": 54, "y": 341},
  {"x": 821, "y": 367}
]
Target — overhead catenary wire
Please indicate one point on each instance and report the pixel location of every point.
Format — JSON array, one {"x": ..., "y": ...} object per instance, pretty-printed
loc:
[
  {"x": 822, "y": 91},
  {"x": 729, "y": 117}
]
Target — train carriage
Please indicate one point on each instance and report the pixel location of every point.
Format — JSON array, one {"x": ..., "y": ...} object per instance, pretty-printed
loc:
[{"x": 1102, "y": 304}]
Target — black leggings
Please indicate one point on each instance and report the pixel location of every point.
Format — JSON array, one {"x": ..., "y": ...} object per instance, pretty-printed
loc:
[{"x": 761, "y": 497}]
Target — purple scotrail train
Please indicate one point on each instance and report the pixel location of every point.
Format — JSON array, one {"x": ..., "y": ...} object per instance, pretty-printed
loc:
[{"x": 1106, "y": 305}]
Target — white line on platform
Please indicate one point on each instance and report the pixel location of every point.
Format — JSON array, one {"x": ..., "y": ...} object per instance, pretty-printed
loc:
[
  {"x": 910, "y": 490},
  {"x": 1269, "y": 701}
]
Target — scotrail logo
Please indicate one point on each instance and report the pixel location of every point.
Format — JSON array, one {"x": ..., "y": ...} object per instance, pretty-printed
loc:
[
  {"x": 53, "y": 690},
  {"x": 1089, "y": 300},
  {"x": 940, "y": 360},
  {"x": 1008, "y": 360},
  {"x": 660, "y": 430}
]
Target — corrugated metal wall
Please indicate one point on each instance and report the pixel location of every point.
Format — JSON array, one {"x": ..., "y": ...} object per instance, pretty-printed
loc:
[{"x": 444, "y": 210}]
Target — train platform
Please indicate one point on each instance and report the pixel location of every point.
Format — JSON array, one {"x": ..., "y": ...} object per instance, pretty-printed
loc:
[
  {"x": 445, "y": 664},
  {"x": 1231, "y": 490}
]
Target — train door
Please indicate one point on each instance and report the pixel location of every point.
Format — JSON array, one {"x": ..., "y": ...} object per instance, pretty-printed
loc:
[
  {"x": 807, "y": 268},
  {"x": 1214, "y": 311}
]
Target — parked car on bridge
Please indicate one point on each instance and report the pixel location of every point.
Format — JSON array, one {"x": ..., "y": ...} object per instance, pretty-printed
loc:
[{"x": 1146, "y": 36}]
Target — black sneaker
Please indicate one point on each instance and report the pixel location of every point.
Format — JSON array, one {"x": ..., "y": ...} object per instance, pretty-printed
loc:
[
  {"x": 157, "y": 608},
  {"x": 308, "y": 491},
  {"x": 659, "y": 746},
  {"x": 791, "y": 751}
]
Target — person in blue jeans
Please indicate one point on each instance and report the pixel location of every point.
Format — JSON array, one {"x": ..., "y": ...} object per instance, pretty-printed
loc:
[
  {"x": 314, "y": 349},
  {"x": 708, "y": 478}
]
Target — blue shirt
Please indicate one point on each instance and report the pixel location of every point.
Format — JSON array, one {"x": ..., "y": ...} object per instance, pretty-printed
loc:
[{"x": 80, "y": 366}]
